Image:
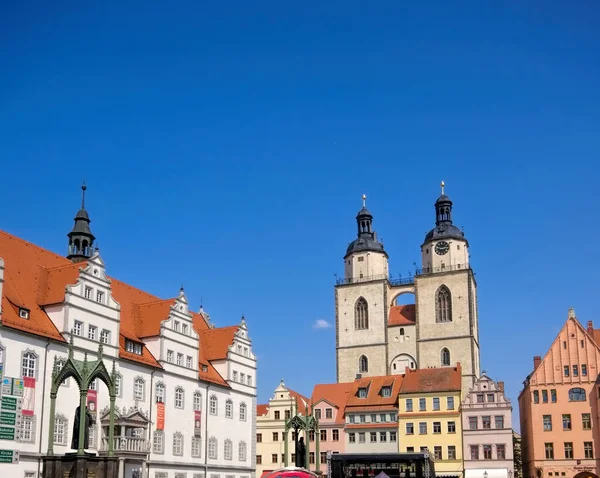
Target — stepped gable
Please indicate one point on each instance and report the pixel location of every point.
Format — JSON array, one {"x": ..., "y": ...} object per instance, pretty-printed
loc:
[{"x": 35, "y": 277}]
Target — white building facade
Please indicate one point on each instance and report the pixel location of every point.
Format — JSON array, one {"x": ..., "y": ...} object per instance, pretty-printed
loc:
[{"x": 186, "y": 391}]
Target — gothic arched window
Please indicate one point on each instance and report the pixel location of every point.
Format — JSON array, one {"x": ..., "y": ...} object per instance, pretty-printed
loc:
[
  {"x": 445, "y": 357},
  {"x": 363, "y": 364},
  {"x": 361, "y": 314},
  {"x": 443, "y": 305},
  {"x": 577, "y": 395}
]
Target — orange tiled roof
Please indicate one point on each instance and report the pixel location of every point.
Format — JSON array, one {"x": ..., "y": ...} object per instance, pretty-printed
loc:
[
  {"x": 302, "y": 402},
  {"x": 374, "y": 397},
  {"x": 35, "y": 277},
  {"x": 262, "y": 409},
  {"x": 444, "y": 379},
  {"x": 335, "y": 394},
  {"x": 402, "y": 315}
]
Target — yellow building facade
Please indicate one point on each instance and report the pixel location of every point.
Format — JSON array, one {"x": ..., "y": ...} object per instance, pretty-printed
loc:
[
  {"x": 270, "y": 428},
  {"x": 429, "y": 417}
]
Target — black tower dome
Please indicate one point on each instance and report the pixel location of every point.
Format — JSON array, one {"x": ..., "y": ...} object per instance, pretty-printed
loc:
[
  {"x": 81, "y": 238},
  {"x": 444, "y": 229},
  {"x": 367, "y": 237}
]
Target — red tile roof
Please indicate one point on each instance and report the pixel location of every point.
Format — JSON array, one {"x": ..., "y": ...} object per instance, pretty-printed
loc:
[
  {"x": 443, "y": 379},
  {"x": 374, "y": 398},
  {"x": 334, "y": 393},
  {"x": 262, "y": 409},
  {"x": 402, "y": 315},
  {"x": 35, "y": 277}
]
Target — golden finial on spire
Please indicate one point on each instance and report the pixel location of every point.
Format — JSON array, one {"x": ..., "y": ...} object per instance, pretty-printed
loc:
[
  {"x": 364, "y": 200},
  {"x": 442, "y": 184}
]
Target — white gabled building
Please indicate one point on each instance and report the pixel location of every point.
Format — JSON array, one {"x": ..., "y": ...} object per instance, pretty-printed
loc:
[{"x": 186, "y": 401}]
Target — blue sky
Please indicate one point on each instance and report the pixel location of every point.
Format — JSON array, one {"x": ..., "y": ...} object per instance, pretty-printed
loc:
[{"x": 226, "y": 147}]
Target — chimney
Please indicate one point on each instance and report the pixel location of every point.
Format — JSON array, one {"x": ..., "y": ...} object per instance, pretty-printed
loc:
[
  {"x": 537, "y": 360},
  {"x": 501, "y": 386},
  {"x": 590, "y": 327}
]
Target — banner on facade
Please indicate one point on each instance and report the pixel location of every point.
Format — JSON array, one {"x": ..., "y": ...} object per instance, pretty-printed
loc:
[
  {"x": 160, "y": 416},
  {"x": 28, "y": 396},
  {"x": 197, "y": 423},
  {"x": 92, "y": 403}
]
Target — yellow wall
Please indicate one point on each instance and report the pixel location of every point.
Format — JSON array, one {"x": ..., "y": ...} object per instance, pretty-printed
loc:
[{"x": 430, "y": 440}]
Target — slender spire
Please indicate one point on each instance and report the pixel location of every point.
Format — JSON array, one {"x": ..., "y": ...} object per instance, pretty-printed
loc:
[
  {"x": 443, "y": 185},
  {"x": 81, "y": 239},
  {"x": 83, "y": 188},
  {"x": 364, "y": 200}
]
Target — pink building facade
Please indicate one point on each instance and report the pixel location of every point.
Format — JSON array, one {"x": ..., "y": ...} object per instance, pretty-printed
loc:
[
  {"x": 559, "y": 407},
  {"x": 487, "y": 431}
]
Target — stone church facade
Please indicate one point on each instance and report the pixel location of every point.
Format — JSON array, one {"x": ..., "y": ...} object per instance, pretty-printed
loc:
[{"x": 375, "y": 337}]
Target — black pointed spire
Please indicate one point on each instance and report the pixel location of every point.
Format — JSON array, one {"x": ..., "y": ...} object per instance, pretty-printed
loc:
[
  {"x": 444, "y": 229},
  {"x": 81, "y": 239},
  {"x": 443, "y": 208},
  {"x": 367, "y": 237}
]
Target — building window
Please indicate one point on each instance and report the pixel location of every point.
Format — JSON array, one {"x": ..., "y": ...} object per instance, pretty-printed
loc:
[
  {"x": 536, "y": 396},
  {"x": 480, "y": 398},
  {"x": 499, "y": 419},
  {"x": 566, "y": 419},
  {"x": 323, "y": 435},
  {"x": 486, "y": 422},
  {"x": 451, "y": 427},
  {"x": 588, "y": 449},
  {"x": 487, "y": 452},
  {"x": 196, "y": 447},
  {"x": 29, "y": 364},
  {"x": 549, "y": 447},
  {"x": 138, "y": 389},
  {"x": 361, "y": 437},
  {"x": 382, "y": 437},
  {"x": 170, "y": 356},
  {"x": 436, "y": 403},
  {"x": 490, "y": 397},
  {"x": 228, "y": 409},
  {"x": 197, "y": 400},
  {"x": 118, "y": 388},
  {"x": 443, "y": 305},
  {"x": 422, "y": 405},
  {"x": 228, "y": 449},
  {"x": 259, "y": 459},
  {"x": 158, "y": 442},
  {"x": 373, "y": 437},
  {"x": 77, "y": 328},
  {"x": 213, "y": 448},
  {"x": 361, "y": 314},
  {"x": 575, "y": 371},
  {"x": 177, "y": 444},
  {"x": 568, "y": 450},
  {"x": 88, "y": 292},
  {"x": 472, "y": 423},
  {"x": 423, "y": 428},
  {"x": 474, "y": 452},
  {"x": 500, "y": 452},
  {"x": 328, "y": 413},
  {"x": 409, "y": 405},
  {"x": 189, "y": 362},
  {"x": 133, "y": 347},
  {"x": 242, "y": 451},
  {"x": 259, "y": 438},
  {"x": 445, "y": 357},
  {"x": 28, "y": 423},
  {"x": 105, "y": 337},
  {"x": 213, "y": 405},
  {"x": 274, "y": 458},
  {"x": 61, "y": 430},
  {"x": 451, "y": 452},
  {"x": 335, "y": 435},
  {"x": 393, "y": 437},
  {"x": 235, "y": 376},
  {"x": 553, "y": 395},
  {"x": 352, "y": 437},
  {"x": 387, "y": 392},
  {"x": 92, "y": 331},
  {"x": 363, "y": 364},
  {"x": 288, "y": 414},
  {"x": 584, "y": 370},
  {"x": 437, "y": 427},
  {"x": 180, "y": 359},
  {"x": 437, "y": 452},
  {"x": 450, "y": 403},
  {"x": 577, "y": 395},
  {"x": 544, "y": 396},
  {"x": 184, "y": 329},
  {"x": 179, "y": 397},
  {"x": 277, "y": 415},
  {"x": 566, "y": 370},
  {"x": 99, "y": 297},
  {"x": 547, "y": 423},
  {"x": 410, "y": 429},
  {"x": 586, "y": 421}
]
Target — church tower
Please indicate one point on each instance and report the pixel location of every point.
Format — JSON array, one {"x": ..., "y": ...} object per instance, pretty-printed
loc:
[
  {"x": 81, "y": 239},
  {"x": 446, "y": 299},
  {"x": 361, "y": 298}
]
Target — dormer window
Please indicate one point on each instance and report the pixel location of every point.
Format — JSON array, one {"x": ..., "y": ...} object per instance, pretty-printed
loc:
[
  {"x": 205, "y": 368},
  {"x": 386, "y": 391},
  {"x": 133, "y": 347},
  {"x": 362, "y": 393},
  {"x": 24, "y": 313}
]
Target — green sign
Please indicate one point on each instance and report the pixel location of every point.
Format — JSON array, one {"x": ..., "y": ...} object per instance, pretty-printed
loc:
[
  {"x": 9, "y": 456},
  {"x": 7, "y": 433},
  {"x": 8, "y": 418},
  {"x": 9, "y": 403}
]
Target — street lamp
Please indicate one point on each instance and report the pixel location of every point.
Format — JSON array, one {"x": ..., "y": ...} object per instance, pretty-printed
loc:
[
  {"x": 510, "y": 473},
  {"x": 485, "y": 474}
]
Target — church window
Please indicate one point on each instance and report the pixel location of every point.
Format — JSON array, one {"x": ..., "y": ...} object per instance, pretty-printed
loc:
[
  {"x": 577, "y": 395},
  {"x": 363, "y": 364},
  {"x": 361, "y": 314},
  {"x": 443, "y": 305},
  {"x": 401, "y": 331},
  {"x": 445, "y": 357}
]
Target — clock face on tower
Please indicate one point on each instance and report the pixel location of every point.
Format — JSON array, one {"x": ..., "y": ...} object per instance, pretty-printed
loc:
[{"x": 442, "y": 248}]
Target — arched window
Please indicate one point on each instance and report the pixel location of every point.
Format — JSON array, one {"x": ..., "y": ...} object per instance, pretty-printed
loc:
[
  {"x": 363, "y": 364},
  {"x": 361, "y": 314},
  {"x": 177, "y": 444},
  {"x": 242, "y": 451},
  {"x": 228, "y": 450},
  {"x": 179, "y": 397},
  {"x": 213, "y": 448},
  {"x": 445, "y": 357},
  {"x": 197, "y": 400},
  {"x": 243, "y": 411},
  {"x": 401, "y": 331},
  {"x": 160, "y": 392},
  {"x": 29, "y": 364},
  {"x": 213, "y": 405},
  {"x": 577, "y": 395},
  {"x": 139, "y": 389},
  {"x": 443, "y": 305},
  {"x": 158, "y": 442},
  {"x": 228, "y": 409}
]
